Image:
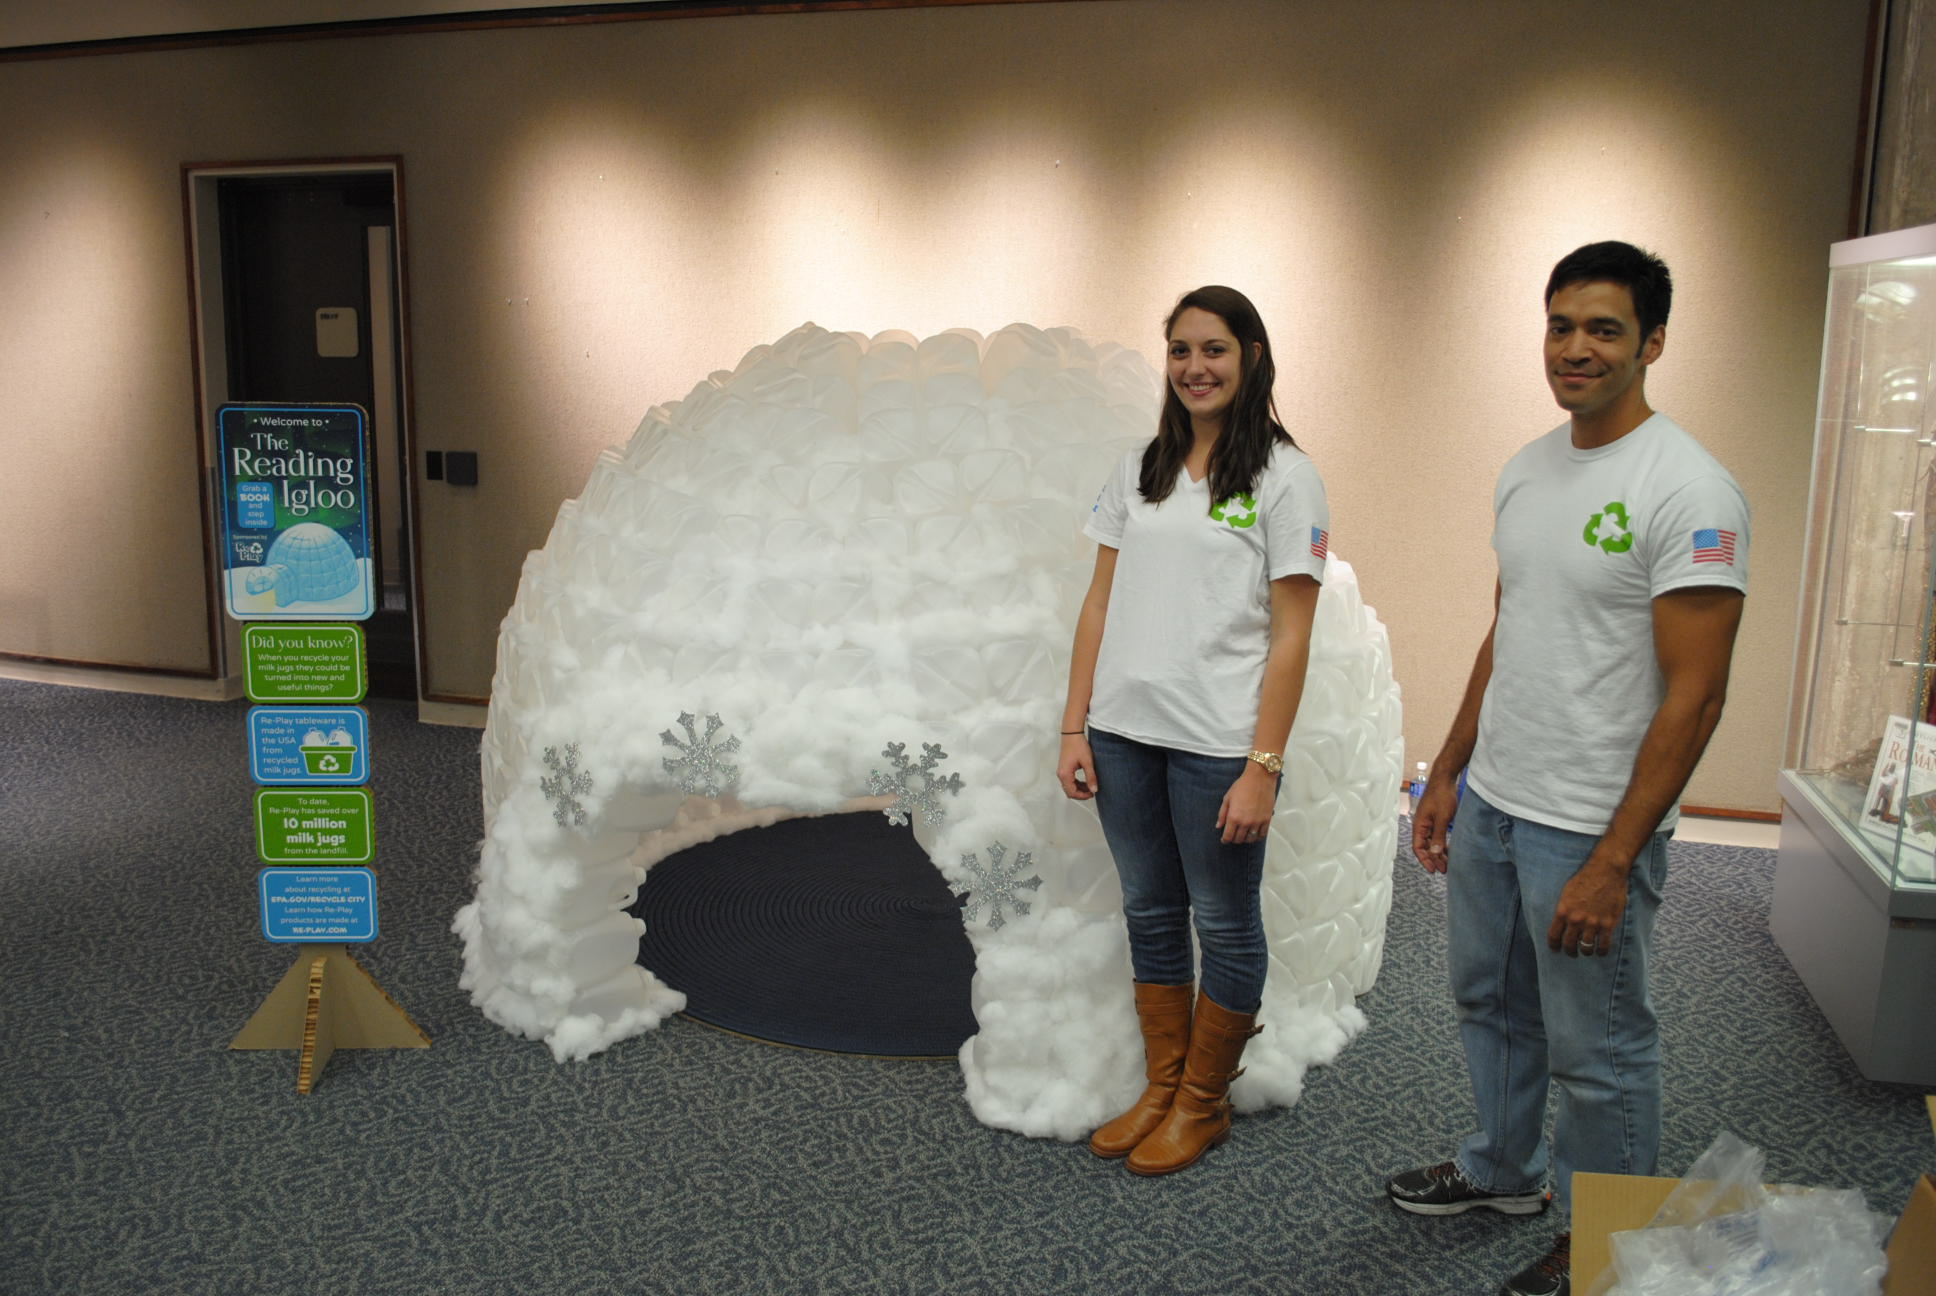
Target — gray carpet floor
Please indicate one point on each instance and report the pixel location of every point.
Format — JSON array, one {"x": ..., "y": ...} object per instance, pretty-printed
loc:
[{"x": 141, "y": 1155}]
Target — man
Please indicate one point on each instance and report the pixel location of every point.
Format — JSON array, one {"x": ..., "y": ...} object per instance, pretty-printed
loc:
[{"x": 1623, "y": 550}]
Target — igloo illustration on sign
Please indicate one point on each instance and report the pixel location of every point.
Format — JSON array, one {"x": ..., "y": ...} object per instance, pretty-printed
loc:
[
  {"x": 308, "y": 563},
  {"x": 846, "y": 574}
]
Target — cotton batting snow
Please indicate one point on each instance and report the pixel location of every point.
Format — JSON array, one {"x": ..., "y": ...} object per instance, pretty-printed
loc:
[{"x": 846, "y": 543}]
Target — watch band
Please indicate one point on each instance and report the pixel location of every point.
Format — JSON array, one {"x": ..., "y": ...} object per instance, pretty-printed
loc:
[{"x": 1271, "y": 761}]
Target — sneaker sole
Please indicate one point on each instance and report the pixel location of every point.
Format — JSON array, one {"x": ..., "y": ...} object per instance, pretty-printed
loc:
[{"x": 1504, "y": 1205}]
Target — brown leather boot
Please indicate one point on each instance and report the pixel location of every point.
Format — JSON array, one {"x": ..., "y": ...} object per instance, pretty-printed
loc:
[
  {"x": 1199, "y": 1118},
  {"x": 1164, "y": 1012}
]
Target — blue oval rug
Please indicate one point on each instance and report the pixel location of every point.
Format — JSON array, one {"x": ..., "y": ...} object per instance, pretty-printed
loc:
[{"x": 833, "y": 933}]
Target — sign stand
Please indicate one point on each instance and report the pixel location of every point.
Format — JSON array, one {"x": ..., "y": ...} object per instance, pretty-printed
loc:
[
  {"x": 326, "y": 1001},
  {"x": 298, "y": 567}
]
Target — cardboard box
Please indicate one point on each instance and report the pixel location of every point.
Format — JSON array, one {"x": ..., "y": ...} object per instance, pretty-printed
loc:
[
  {"x": 1912, "y": 1247},
  {"x": 1605, "y": 1204}
]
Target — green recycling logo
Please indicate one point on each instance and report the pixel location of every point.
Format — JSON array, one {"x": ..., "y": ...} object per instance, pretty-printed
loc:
[
  {"x": 1228, "y": 511},
  {"x": 1610, "y": 528}
]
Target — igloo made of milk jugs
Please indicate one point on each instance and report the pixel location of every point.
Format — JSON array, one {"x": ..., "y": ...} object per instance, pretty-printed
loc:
[{"x": 848, "y": 543}]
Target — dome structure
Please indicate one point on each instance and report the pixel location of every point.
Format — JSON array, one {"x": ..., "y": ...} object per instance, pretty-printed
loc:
[{"x": 846, "y": 574}]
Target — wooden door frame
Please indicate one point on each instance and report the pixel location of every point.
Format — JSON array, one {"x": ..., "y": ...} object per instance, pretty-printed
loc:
[{"x": 208, "y": 361}]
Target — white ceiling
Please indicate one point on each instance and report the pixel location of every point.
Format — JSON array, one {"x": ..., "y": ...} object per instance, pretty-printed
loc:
[{"x": 41, "y": 22}]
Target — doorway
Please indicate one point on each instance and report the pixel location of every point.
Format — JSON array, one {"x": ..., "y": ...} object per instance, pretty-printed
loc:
[{"x": 298, "y": 278}]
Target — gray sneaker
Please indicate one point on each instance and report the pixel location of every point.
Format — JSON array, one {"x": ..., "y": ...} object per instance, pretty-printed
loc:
[
  {"x": 1550, "y": 1275},
  {"x": 1444, "y": 1190}
]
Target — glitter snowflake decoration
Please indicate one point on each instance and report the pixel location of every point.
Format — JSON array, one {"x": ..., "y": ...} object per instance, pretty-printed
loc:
[
  {"x": 566, "y": 785},
  {"x": 699, "y": 769},
  {"x": 997, "y": 884},
  {"x": 914, "y": 787}
]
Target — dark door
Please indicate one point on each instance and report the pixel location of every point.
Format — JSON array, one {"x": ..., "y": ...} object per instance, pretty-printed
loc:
[{"x": 296, "y": 262}]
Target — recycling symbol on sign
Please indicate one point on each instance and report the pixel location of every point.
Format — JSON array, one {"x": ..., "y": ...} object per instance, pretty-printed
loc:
[
  {"x": 1610, "y": 528},
  {"x": 329, "y": 764},
  {"x": 1228, "y": 512}
]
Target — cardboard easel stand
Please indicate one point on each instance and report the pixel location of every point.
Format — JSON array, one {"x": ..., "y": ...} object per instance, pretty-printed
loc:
[{"x": 326, "y": 1001}]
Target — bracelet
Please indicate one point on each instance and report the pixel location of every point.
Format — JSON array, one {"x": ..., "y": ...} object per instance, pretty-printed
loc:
[{"x": 1071, "y": 733}]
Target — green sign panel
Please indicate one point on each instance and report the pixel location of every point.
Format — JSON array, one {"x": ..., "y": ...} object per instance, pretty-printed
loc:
[
  {"x": 303, "y": 826},
  {"x": 303, "y": 663}
]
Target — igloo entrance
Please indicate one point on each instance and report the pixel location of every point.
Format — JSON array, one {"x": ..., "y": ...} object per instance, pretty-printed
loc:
[
  {"x": 833, "y": 932},
  {"x": 850, "y": 569}
]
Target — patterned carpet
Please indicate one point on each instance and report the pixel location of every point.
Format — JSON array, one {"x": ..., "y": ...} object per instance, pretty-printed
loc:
[{"x": 141, "y": 1155}]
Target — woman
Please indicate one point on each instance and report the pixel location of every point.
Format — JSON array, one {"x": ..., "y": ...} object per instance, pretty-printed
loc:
[{"x": 1185, "y": 676}]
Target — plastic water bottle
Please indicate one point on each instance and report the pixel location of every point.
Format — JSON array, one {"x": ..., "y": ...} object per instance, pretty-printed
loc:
[{"x": 1416, "y": 788}]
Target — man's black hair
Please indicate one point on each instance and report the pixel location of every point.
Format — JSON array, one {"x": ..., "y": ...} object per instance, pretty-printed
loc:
[{"x": 1642, "y": 274}]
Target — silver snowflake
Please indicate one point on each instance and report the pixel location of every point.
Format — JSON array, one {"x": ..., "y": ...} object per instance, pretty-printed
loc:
[
  {"x": 997, "y": 884},
  {"x": 566, "y": 786},
  {"x": 914, "y": 787},
  {"x": 698, "y": 769}
]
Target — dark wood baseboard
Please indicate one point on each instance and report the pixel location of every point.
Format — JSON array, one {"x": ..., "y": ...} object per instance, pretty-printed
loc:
[
  {"x": 1720, "y": 812},
  {"x": 458, "y": 699},
  {"x": 174, "y": 672}
]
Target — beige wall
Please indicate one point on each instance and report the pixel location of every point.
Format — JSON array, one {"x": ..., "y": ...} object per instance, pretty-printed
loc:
[{"x": 601, "y": 215}]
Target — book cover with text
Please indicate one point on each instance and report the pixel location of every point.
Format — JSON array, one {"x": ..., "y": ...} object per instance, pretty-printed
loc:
[{"x": 1901, "y": 800}]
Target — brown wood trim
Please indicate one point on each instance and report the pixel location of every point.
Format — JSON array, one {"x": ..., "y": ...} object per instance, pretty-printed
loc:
[
  {"x": 178, "y": 672},
  {"x": 1720, "y": 812},
  {"x": 478, "y": 21},
  {"x": 457, "y": 699},
  {"x": 189, "y": 171},
  {"x": 1868, "y": 125},
  {"x": 320, "y": 164},
  {"x": 211, "y": 596},
  {"x": 412, "y": 499}
]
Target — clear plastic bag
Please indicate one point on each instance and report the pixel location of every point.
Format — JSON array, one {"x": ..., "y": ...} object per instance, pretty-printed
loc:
[{"x": 1721, "y": 1233}]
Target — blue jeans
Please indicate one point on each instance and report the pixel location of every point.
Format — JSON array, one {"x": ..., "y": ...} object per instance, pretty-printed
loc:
[
  {"x": 1528, "y": 1015},
  {"x": 1158, "y": 808}
]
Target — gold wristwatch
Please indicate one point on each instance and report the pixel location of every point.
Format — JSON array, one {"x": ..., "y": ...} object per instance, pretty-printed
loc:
[{"x": 1271, "y": 761}]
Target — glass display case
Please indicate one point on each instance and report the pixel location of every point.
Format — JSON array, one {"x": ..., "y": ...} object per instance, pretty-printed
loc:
[
  {"x": 1855, "y": 890},
  {"x": 1861, "y": 738}
]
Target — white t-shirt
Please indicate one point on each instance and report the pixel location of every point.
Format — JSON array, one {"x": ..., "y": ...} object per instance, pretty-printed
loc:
[
  {"x": 1188, "y": 628},
  {"x": 1586, "y": 540}
]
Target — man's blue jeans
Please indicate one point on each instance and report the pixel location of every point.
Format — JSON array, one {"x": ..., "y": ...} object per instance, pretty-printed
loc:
[
  {"x": 1158, "y": 808},
  {"x": 1528, "y": 1014}
]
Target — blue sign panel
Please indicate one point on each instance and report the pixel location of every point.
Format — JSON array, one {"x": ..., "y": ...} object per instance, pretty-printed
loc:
[
  {"x": 318, "y": 906},
  {"x": 290, "y": 746},
  {"x": 295, "y": 513}
]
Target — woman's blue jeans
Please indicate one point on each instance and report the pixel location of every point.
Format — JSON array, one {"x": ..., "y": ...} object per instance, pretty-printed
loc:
[
  {"x": 1529, "y": 1015},
  {"x": 1158, "y": 808}
]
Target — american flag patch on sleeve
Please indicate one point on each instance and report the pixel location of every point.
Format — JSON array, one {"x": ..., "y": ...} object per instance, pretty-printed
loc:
[
  {"x": 1320, "y": 542},
  {"x": 1712, "y": 545}
]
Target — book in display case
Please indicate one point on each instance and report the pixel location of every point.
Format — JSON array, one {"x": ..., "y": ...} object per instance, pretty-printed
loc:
[{"x": 1855, "y": 885}]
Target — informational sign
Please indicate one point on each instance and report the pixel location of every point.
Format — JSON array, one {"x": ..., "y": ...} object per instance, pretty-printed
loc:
[
  {"x": 309, "y": 745},
  {"x": 298, "y": 565},
  {"x": 303, "y": 663},
  {"x": 299, "y": 826},
  {"x": 318, "y": 906},
  {"x": 295, "y": 512}
]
